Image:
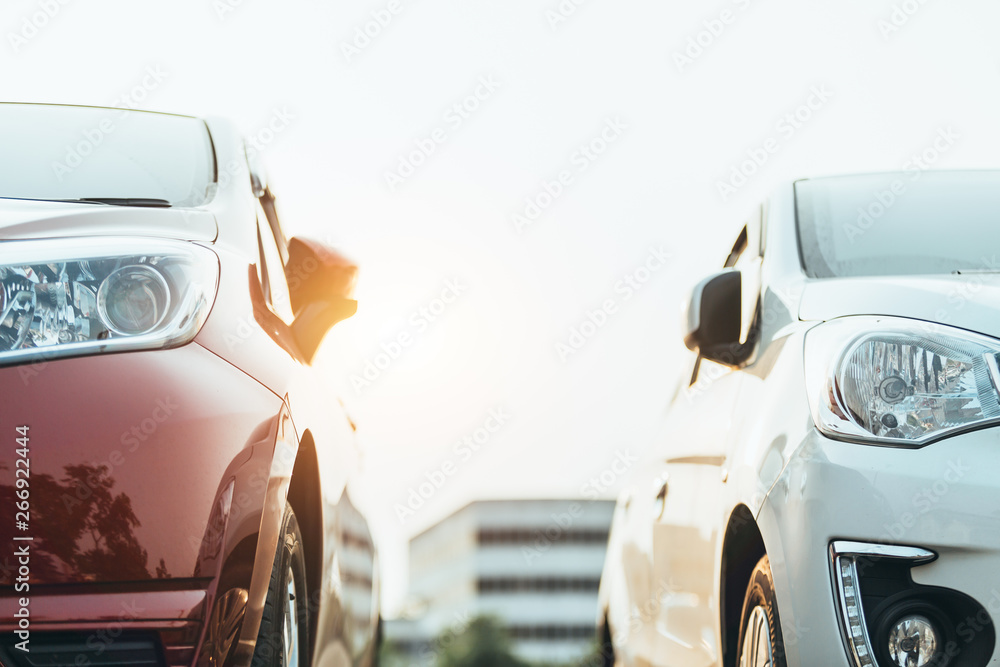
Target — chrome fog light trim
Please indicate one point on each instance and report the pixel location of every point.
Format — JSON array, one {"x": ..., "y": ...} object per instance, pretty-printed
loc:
[{"x": 844, "y": 557}]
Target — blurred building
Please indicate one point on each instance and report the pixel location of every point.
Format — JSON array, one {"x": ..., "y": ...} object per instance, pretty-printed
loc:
[{"x": 535, "y": 564}]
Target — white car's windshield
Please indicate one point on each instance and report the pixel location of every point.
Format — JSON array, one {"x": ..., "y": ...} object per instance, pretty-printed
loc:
[
  {"x": 904, "y": 223},
  {"x": 69, "y": 153}
]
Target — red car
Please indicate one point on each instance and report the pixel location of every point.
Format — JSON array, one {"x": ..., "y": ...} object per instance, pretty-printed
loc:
[{"x": 175, "y": 480}]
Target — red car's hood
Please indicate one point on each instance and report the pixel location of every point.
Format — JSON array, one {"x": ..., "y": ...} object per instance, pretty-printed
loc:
[{"x": 22, "y": 219}]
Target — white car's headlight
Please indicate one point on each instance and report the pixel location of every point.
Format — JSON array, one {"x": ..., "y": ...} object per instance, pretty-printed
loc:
[
  {"x": 70, "y": 297},
  {"x": 893, "y": 381}
]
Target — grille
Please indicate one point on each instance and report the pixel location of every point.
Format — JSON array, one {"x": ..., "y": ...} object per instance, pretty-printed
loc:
[{"x": 72, "y": 650}]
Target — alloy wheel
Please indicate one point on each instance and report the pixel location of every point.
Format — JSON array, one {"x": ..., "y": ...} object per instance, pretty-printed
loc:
[
  {"x": 757, "y": 642},
  {"x": 291, "y": 626}
]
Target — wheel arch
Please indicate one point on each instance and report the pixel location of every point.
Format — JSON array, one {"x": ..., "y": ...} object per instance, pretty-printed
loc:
[
  {"x": 306, "y": 500},
  {"x": 605, "y": 640},
  {"x": 742, "y": 547}
]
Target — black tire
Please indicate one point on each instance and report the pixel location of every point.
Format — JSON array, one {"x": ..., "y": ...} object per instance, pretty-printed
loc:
[
  {"x": 606, "y": 647},
  {"x": 760, "y": 595},
  {"x": 289, "y": 565},
  {"x": 377, "y": 644}
]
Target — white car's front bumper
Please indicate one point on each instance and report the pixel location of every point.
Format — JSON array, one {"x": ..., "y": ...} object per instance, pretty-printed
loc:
[{"x": 944, "y": 498}]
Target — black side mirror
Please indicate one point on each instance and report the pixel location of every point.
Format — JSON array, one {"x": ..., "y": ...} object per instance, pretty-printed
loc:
[
  {"x": 712, "y": 322},
  {"x": 321, "y": 289}
]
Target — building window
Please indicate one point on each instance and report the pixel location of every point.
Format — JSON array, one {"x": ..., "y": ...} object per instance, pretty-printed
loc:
[
  {"x": 551, "y": 535},
  {"x": 551, "y": 632},
  {"x": 509, "y": 585},
  {"x": 353, "y": 540}
]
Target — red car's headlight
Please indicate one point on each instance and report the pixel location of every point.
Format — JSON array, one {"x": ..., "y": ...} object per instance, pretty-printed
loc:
[{"x": 92, "y": 295}]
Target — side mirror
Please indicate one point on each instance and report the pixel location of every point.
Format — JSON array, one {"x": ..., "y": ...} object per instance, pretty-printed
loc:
[
  {"x": 321, "y": 289},
  {"x": 713, "y": 319}
]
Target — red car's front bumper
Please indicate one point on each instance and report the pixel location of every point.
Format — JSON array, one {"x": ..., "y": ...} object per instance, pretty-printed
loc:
[{"x": 150, "y": 499}]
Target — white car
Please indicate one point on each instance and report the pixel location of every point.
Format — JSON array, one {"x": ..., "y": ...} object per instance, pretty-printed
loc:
[{"x": 826, "y": 491}]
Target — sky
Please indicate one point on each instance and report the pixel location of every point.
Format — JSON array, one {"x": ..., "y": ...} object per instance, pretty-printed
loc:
[{"x": 530, "y": 187}]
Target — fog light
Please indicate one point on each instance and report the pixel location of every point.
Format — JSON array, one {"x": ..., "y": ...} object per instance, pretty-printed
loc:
[
  {"x": 913, "y": 641},
  {"x": 133, "y": 300},
  {"x": 847, "y": 587}
]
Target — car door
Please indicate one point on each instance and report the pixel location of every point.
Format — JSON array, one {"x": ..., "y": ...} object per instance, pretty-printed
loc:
[
  {"x": 345, "y": 623},
  {"x": 688, "y": 505}
]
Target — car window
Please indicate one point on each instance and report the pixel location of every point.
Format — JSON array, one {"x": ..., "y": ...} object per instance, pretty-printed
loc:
[
  {"x": 272, "y": 270},
  {"x": 738, "y": 251},
  {"x": 748, "y": 245},
  {"x": 56, "y": 152},
  {"x": 749, "y": 265},
  {"x": 746, "y": 258},
  {"x": 908, "y": 223},
  {"x": 267, "y": 203}
]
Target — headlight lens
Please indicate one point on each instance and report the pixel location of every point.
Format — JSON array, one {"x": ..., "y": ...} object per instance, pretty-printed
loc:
[
  {"x": 85, "y": 296},
  {"x": 902, "y": 382},
  {"x": 134, "y": 299}
]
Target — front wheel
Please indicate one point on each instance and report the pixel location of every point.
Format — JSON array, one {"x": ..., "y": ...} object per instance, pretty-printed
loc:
[
  {"x": 760, "y": 630},
  {"x": 283, "y": 639}
]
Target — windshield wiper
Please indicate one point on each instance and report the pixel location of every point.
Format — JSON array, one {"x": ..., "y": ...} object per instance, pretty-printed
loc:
[
  {"x": 115, "y": 201},
  {"x": 107, "y": 201}
]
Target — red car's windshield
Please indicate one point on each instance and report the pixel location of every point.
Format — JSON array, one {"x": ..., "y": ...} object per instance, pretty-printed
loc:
[{"x": 66, "y": 153}]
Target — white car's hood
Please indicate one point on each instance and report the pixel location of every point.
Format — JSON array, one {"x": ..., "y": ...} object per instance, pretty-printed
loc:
[
  {"x": 21, "y": 219},
  {"x": 970, "y": 301}
]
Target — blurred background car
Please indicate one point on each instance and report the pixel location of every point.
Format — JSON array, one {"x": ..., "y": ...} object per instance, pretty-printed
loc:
[{"x": 180, "y": 489}]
